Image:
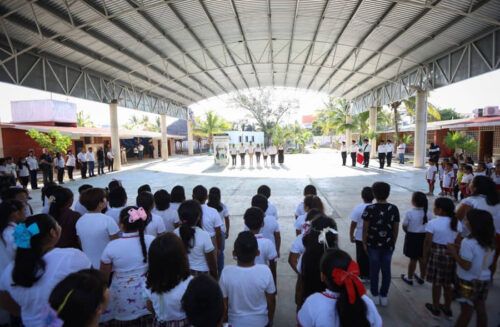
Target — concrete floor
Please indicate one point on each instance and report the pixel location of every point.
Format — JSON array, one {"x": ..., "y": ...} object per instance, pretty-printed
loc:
[{"x": 340, "y": 188}]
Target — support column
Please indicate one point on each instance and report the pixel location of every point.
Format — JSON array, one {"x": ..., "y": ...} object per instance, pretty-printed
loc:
[
  {"x": 348, "y": 132},
  {"x": 115, "y": 136},
  {"x": 164, "y": 139},
  {"x": 420, "y": 141},
  {"x": 190, "y": 137},
  {"x": 372, "y": 124},
  {"x": 1, "y": 144}
]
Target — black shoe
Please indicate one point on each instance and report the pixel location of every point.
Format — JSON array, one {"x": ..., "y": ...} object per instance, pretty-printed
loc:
[
  {"x": 420, "y": 281},
  {"x": 407, "y": 280},
  {"x": 435, "y": 312},
  {"x": 447, "y": 312}
]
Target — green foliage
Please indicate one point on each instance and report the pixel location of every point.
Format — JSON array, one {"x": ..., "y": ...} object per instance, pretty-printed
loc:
[
  {"x": 460, "y": 140},
  {"x": 143, "y": 123},
  {"x": 53, "y": 141},
  {"x": 210, "y": 125},
  {"x": 449, "y": 114},
  {"x": 83, "y": 120},
  {"x": 334, "y": 117},
  {"x": 432, "y": 111},
  {"x": 407, "y": 138},
  {"x": 291, "y": 133}
]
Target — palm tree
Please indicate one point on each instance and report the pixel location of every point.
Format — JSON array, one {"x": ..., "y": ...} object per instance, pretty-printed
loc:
[
  {"x": 411, "y": 105},
  {"x": 394, "y": 106},
  {"x": 211, "y": 125},
  {"x": 83, "y": 120},
  {"x": 133, "y": 122}
]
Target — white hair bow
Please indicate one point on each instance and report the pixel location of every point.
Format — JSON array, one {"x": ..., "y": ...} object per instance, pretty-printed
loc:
[{"x": 322, "y": 236}]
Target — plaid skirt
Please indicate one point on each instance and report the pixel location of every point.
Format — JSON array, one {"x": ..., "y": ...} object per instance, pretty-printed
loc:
[
  {"x": 472, "y": 290},
  {"x": 176, "y": 323},
  {"x": 441, "y": 266},
  {"x": 144, "y": 321}
]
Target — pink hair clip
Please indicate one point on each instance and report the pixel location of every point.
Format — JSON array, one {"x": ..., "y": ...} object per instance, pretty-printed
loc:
[{"x": 137, "y": 214}]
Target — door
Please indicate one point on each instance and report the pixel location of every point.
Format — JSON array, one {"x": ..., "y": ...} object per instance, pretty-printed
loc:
[{"x": 485, "y": 144}]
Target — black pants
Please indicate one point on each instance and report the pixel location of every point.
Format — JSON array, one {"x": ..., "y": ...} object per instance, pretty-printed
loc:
[
  {"x": 233, "y": 159},
  {"x": 100, "y": 167},
  {"x": 24, "y": 180},
  {"x": 33, "y": 179},
  {"x": 381, "y": 160},
  {"x": 242, "y": 157},
  {"x": 363, "y": 261},
  {"x": 60, "y": 175},
  {"x": 90, "y": 165},
  {"x": 353, "y": 158},
  {"x": 83, "y": 169},
  {"x": 389, "y": 158},
  {"x": 257, "y": 156},
  {"x": 344, "y": 157},
  {"x": 70, "y": 172},
  {"x": 48, "y": 175},
  {"x": 110, "y": 164},
  {"x": 273, "y": 158},
  {"x": 366, "y": 158}
]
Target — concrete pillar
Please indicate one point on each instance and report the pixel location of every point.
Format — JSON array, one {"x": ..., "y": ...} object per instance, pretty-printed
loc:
[
  {"x": 1, "y": 144},
  {"x": 164, "y": 139},
  {"x": 115, "y": 137},
  {"x": 190, "y": 137},
  {"x": 420, "y": 138},
  {"x": 372, "y": 124},
  {"x": 348, "y": 132}
]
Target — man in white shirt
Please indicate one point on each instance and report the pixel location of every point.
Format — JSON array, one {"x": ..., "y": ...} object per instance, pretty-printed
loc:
[
  {"x": 343, "y": 152},
  {"x": 70, "y": 164},
  {"x": 33, "y": 168},
  {"x": 234, "y": 152},
  {"x": 140, "y": 147},
  {"x": 389, "y": 149},
  {"x": 82, "y": 160},
  {"x": 242, "y": 152},
  {"x": 401, "y": 153},
  {"x": 381, "y": 150},
  {"x": 366, "y": 148},
  {"x": 111, "y": 159},
  {"x": 90, "y": 162},
  {"x": 354, "y": 151}
]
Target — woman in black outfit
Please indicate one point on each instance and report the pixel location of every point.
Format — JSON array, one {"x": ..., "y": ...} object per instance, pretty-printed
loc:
[{"x": 281, "y": 154}]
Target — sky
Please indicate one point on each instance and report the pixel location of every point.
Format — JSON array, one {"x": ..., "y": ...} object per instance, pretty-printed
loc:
[{"x": 464, "y": 96}]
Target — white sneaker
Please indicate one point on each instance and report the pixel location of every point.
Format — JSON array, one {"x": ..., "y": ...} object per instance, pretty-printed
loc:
[
  {"x": 375, "y": 299},
  {"x": 383, "y": 301}
]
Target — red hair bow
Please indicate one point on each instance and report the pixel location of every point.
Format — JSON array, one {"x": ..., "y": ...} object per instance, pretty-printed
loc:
[{"x": 350, "y": 280}]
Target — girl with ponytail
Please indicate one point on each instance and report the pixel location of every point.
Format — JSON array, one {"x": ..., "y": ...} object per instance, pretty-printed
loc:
[
  {"x": 344, "y": 301},
  {"x": 197, "y": 242},
  {"x": 127, "y": 258},
  {"x": 26, "y": 283},
  {"x": 414, "y": 226}
]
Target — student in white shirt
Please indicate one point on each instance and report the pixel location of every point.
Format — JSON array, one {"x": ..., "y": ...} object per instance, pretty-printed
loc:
[
  {"x": 126, "y": 257},
  {"x": 440, "y": 231},
  {"x": 242, "y": 152},
  {"x": 197, "y": 242},
  {"x": 163, "y": 209},
  {"x": 473, "y": 266},
  {"x": 23, "y": 172},
  {"x": 254, "y": 221},
  {"x": 467, "y": 178},
  {"x": 25, "y": 284},
  {"x": 389, "y": 150},
  {"x": 366, "y": 149},
  {"x": 248, "y": 288},
  {"x": 250, "y": 151},
  {"x": 111, "y": 159},
  {"x": 214, "y": 201},
  {"x": 334, "y": 306},
  {"x": 59, "y": 164},
  {"x": 234, "y": 152},
  {"x": 481, "y": 169},
  {"x": 211, "y": 221},
  {"x": 483, "y": 196},
  {"x": 448, "y": 180},
  {"x": 353, "y": 149},
  {"x": 33, "y": 168},
  {"x": 271, "y": 208},
  {"x": 177, "y": 196},
  {"x": 271, "y": 228},
  {"x": 70, "y": 164},
  {"x": 401, "y": 153},
  {"x": 90, "y": 161},
  {"x": 203, "y": 302},
  {"x": 297, "y": 248},
  {"x": 78, "y": 207},
  {"x": 117, "y": 201},
  {"x": 80, "y": 298},
  {"x": 310, "y": 202},
  {"x": 414, "y": 226},
  {"x": 167, "y": 279},
  {"x": 154, "y": 225},
  {"x": 95, "y": 229},
  {"x": 82, "y": 160},
  {"x": 382, "y": 152},
  {"x": 343, "y": 152},
  {"x": 272, "y": 150},
  {"x": 308, "y": 190},
  {"x": 258, "y": 152},
  {"x": 356, "y": 232},
  {"x": 265, "y": 154}
]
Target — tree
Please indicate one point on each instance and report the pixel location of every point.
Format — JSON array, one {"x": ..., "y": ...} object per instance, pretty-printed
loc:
[
  {"x": 211, "y": 125},
  {"x": 449, "y": 114},
  {"x": 411, "y": 105},
  {"x": 83, "y": 120},
  {"x": 53, "y": 141},
  {"x": 396, "y": 117},
  {"x": 264, "y": 109},
  {"x": 133, "y": 122},
  {"x": 460, "y": 141}
]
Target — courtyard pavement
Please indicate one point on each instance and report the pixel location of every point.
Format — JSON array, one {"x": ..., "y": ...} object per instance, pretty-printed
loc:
[{"x": 340, "y": 189}]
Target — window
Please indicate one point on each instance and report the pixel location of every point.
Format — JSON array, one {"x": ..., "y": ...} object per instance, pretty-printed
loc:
[
  {"x": 253, "y": 138},
  {"x": 246, "y": 138},
  {"x": 240, "y": 138}
]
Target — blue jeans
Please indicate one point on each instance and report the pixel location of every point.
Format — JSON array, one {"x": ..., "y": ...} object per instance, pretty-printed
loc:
[
  {"x": 380, "y": 261},
  {"x": 402, "y": 158},
  {"x": 220, "y": 256}
]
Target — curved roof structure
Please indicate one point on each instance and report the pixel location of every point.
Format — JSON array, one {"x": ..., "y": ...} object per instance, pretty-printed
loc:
[{"x": 182, "y": 51}]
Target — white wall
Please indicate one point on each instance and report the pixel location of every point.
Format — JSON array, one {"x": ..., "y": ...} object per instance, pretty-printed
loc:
[{"x": 246, "y": 137}]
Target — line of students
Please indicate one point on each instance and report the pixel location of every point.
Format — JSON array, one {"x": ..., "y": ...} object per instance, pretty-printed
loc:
[{"x": 242, "y": 151}]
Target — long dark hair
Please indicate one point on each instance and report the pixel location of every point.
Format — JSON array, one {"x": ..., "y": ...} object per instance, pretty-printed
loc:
[
  {"x": 62, "y": 197},
  {"x": 177, "y": 195},
  {"x": 349, "y": 314},
  {"x": 189, "y": 215},
  {"x": 310, "y": 268},
  {"x": 484, "y": 185},
  {"x": 448, "y": 208},
  {"x": 420, "y": 201},
  {"x": 7, "y": 208},
  {"x": 29, "y": 265},
  {"x": 168, "y": 263},
  {"x": 482, "y": 228},
  {"x": 313, "y": 202},
  {"x": 162, "y": 200},
  {"x": 146, "y": 200},
  {"x": 214, "y": 197},
  {"x": 137, "y": 226},
  {"x": 77, "y": 297}
]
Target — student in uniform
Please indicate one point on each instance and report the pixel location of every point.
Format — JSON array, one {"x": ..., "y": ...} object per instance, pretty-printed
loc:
[
  {"x": 365, "y": 149},
  {"x": 381, "y": 151},
  {"x": 110, "y": 156},
  {"x": 33, "y": 168},
  {"x": 273, "y": 151},
  {"x": 380, "y": 233},
  {"x": 480, "y": 169},
  {"x": 308, "y": 190},
  {"x": 448, "y": 180},
  {"x": 201, "y": 251},
  {"x": 144, "y": 188},
  {"x": 177, "y": 196},
  {"x": 343, "y": 302},
  {"x": 250, "y": 151},
  {"x": 483, "y": 196},
  {"x": 125, "y": 260},
  {"x": 82, "y": 160},
  {"x": 25, "y": 284},
  {"x": 90, "y": 161},
  {"x": 164, "y": 210},
  {"x": 401, "y": 153},
  {"x": 203, "y": 302},
  {"x": 271, "y": 228},
  {"x": 353, "y": 149},
  {"x": 70, "y": 164},
  {"x": 264, "y": 155},
  {"x": 430, "y": 176},
  {"x": 466, "y": 181},
  {"x": 234, "y": 152},
  {"x": 78, "y": 207},
  {"x": 94, "y": 229},
  {"x": 440, "y": 265},
  {"x": 248, "y": 288},
  {"x": 310, "y": 202},
  {"x": 271, "y": 208},
  {"x": 389, "y": 150},
  {"x": 414, "y": 226},
  {"x": 60, "y": 209},
  {"x": 154, "y": 223},
  {"x": 356, "y": 233},
  {"x": 214, "y": 201},
  {"x": 242, "y": 151},
  {"x": 167, "y": 279},
  {"x": 343, "y": 152},
  {"x": 59, "y": 165},
  {"x": 258, "y": 152},
  {"x": 117, "y": 201},
  {"x": 79, "y": 299},
  {"x": 254, "y": 221}
]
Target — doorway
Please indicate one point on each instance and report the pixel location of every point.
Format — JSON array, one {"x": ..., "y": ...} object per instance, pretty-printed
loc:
[{"x": 485, "y": 144}]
